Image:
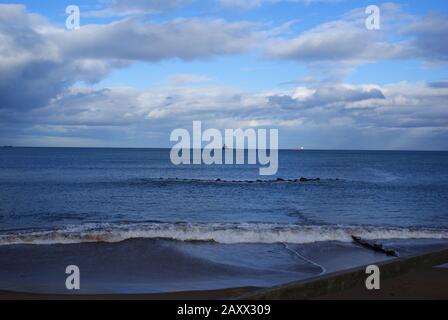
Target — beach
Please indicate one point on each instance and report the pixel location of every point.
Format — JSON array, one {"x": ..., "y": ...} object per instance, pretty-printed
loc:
[
  {"x": 426, "y": 284},
  {"x": 418, "y": 279},
  {"x": 157, "y": 269}
]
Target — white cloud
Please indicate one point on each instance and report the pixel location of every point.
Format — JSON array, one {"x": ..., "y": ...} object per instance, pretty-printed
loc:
[
  {"x": 416, "y": 111},
  {"x": 185, "y": 78},
  {"x": 131, "y": 40},
  {"x": 337, "y": 41},
  {"x": 41, "y": 66},
  {"x": 347, "y": 41},
  {"x": 253, "y": 4},
  {"x": 123, "y": 8}
]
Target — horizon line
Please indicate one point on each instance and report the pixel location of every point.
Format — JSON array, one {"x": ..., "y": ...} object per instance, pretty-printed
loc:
[{"x": 168, "y": 148}]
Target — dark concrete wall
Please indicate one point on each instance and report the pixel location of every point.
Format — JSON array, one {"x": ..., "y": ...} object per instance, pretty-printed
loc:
[{"x": 339, "y": 281}]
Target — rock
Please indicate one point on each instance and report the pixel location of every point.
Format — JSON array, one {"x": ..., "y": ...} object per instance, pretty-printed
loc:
[{"x": 309, "y": 180}]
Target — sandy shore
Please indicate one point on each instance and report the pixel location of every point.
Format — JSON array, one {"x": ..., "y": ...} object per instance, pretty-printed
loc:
[
  {"x": 189, "y": 295},
  {"x": 427, "y": 284},
  {"x": 192, "y": 272}
]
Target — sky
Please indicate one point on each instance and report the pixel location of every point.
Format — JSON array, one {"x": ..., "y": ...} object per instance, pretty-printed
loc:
[{"x": 136, "y": 70}]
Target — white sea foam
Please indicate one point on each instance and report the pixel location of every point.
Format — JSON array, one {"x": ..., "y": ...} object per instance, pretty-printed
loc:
[{"x": 220, "y": 233}]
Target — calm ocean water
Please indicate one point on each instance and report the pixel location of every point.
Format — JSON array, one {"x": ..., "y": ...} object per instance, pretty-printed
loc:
[
  {"x": 135, "y": 223},
  {"x": 57, "y": 195}
]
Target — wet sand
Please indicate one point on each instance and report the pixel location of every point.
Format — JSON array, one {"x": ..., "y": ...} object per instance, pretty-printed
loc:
[
  {"x": 148, "y": 267},
  {"x": 164, "y": 270},
  {"x": 188, "y": 295},
  {"x": 427, "y": 284}
]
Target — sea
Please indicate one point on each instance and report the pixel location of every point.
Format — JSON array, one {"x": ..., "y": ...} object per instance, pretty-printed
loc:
[{"x": 136, "y": 223}]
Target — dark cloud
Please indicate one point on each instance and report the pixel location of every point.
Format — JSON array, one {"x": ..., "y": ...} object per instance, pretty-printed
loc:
[
  {"x": 33, "y": 69},
  {"x": 38, "y": 61},
  {"x": 430, "y": 34}
]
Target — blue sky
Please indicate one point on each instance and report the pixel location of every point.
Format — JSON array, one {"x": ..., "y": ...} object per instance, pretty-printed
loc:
[{"x": 138, "y": 69}]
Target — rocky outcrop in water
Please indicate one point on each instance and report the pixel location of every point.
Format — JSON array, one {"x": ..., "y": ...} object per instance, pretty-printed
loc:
[{"x": 309, "y": 179}]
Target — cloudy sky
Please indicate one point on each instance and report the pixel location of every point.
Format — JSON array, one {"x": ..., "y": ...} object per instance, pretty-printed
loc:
[{"x": 138, "y": 69}]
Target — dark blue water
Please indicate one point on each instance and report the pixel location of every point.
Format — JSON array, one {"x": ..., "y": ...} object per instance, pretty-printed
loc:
[{"x": 58, "y": 194}]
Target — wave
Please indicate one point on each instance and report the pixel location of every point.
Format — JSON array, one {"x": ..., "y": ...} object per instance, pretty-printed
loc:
[{"x": 217, "y": 232}]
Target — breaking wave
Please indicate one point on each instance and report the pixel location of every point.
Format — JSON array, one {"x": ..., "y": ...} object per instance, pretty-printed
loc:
[{"x": 218, "y": 233}]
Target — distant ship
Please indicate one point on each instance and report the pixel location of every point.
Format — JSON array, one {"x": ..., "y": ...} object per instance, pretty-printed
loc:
[{"x": 301, "y": 149}]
